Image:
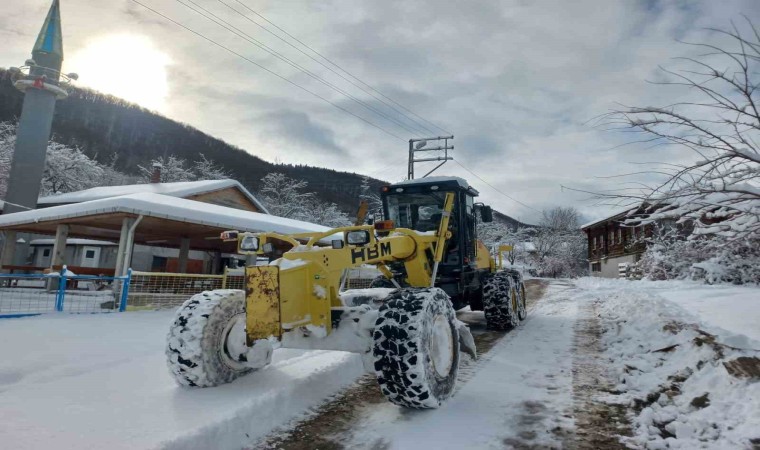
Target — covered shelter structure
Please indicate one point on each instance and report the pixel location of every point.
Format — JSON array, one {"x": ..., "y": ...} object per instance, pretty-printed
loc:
[{"x": 144, "y": 218}]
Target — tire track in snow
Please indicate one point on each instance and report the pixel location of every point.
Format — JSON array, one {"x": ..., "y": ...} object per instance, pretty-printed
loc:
[
  {"x": 330, "y": 426},
  {"x": 599, "y": 425}
]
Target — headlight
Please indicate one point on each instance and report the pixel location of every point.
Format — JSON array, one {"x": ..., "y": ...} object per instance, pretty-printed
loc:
[
  {"x": 249, "y": 244},
  {"x": 358, "y": 237}
]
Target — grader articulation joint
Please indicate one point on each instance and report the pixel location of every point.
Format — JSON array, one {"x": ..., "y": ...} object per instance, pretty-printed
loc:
[{"x": 405, "y": 328}]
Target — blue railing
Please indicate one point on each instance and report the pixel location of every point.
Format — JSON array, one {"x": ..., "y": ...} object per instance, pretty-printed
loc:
[{"x": 31, "y": 294}]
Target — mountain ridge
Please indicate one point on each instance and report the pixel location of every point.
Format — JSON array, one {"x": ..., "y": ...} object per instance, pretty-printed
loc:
[{"x": 104, "y": 127}]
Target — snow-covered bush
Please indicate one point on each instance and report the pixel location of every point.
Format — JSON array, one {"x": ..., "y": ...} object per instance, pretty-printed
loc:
[
  {"x": 736, "y": 262},
  {"x": 670, "y": 256}
]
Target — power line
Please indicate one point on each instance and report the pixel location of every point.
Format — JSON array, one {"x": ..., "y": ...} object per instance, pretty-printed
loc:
[
  {"x": 494, "y": 188},
  {"x": 268, "y": 70},
  {"x": 344, "y": 70},
  {"x": 419, "y": 125},
  {"x": 243, "y": 35}
]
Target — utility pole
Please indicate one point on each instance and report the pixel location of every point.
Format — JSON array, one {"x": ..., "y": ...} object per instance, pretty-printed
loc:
[
  {"x": 40, "y": 79},
  {"x": 420, "y": 145}
]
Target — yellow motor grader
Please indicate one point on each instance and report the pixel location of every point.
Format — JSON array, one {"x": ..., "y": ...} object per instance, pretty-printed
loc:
[{"x": 404, "y": 326}]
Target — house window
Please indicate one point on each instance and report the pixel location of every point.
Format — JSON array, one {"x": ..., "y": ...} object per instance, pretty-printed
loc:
[
  {"x": 158, "y": 264},
  {"x": 596, "y": 267},
  {"x": 593, "y": 242},
  {"x": 620, "y": 235},
  {"x": 612, "y": 237},
  {"x": 46, "y": 252},
  {"x": 89, "y": 254}
]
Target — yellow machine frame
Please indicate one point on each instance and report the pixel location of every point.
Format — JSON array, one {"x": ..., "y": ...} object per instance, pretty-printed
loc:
[{"x": 300, "y": 290}]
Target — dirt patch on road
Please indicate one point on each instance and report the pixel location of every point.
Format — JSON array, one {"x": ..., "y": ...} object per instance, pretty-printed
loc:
[
  {"x": 327, "y": 426},
  {"x": 599, "y": 425}
]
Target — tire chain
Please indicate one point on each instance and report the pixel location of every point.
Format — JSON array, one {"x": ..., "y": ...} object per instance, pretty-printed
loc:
[
  {"x": 399, "y": 359},
  {"x": 191, "y": 357}
]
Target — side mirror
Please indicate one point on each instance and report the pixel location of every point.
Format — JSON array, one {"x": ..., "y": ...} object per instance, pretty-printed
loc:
[
  {"x": 486, "y": 214},
  {"x": 357, "y": 237}
]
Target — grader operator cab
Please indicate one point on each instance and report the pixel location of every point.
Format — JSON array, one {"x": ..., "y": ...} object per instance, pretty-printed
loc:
[{"x": 404, "y": 327}]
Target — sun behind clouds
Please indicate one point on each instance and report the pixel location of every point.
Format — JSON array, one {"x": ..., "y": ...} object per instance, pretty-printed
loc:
[{"x": 128, "y": 66}]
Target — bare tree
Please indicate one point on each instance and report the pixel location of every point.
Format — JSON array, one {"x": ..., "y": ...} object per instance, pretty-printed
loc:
[
  {"x": 560, "y": 244},
  {"x": 720, "y": 192}
]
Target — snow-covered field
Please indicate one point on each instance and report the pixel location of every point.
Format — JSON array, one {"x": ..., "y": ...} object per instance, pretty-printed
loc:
[{"x": 100, "y": 381}]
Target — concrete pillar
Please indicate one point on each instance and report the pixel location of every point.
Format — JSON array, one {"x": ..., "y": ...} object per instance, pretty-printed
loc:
[
  {"x": 9, "y": 249},
  {"x": 120, "y": 270},
  {"x": 59, "y": 247},
  {"x": 184, "y": 254}
]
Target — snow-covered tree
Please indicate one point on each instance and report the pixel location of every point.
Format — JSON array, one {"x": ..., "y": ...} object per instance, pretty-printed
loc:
[
  {"x": 173, "y": 169},
  {"x": 373, "y": 199},
  {"x": 208, "y": 169},
  {"x": 284, "y": 196},
  {"x": 7, "y": 143},
  {"x": 560, "y": 244},
  {"x": 67, "y": 169},
  {"x": 719, "y": 193},
  {"x": 324, "y": 213}
]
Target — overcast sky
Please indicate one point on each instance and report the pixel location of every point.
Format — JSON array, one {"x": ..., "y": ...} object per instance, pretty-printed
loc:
[{"x": 517, "y": 82}]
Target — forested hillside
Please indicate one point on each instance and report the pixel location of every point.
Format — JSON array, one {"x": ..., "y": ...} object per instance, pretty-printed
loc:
[{"x": 104, "y": 127}]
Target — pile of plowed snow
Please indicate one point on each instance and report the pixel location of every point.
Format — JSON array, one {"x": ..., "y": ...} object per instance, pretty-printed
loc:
[{"x": 689, "y": 383}]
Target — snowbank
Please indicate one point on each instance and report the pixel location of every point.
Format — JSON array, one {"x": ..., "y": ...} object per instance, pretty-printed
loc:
[
  {"x": 100, "y": 381},
  {"x": 732, "y": 312},
  {"x": 672, "y": 367}
]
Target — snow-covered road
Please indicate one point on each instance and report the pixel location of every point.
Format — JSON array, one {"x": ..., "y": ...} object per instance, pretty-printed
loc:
[
  {"x": 100, "y": 381},
  {"x": 520, "y": 393}
]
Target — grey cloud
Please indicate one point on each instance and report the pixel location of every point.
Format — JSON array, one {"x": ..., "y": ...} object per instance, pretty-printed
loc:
[
  {"x": 296, "y": 129},
  {"x": 516, "y": 81}
]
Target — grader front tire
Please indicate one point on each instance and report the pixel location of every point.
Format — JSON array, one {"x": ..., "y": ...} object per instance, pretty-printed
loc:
[
  {"x": 416, "y": 348},
  {"x": 199, "y": 352}
]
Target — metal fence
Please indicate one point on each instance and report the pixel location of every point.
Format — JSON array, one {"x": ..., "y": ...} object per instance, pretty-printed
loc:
[
  {"x": 155, "y": 290},
  {"x": 22, "y": 294}
]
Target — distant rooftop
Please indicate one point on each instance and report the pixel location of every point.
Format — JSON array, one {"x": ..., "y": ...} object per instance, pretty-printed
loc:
[{"x": 179, "y": 189}]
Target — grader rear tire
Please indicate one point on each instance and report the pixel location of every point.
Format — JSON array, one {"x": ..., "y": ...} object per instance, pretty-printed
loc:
[
  {"x": 416, "y": 348},
  {"x": 199, "y": 352},
  {"x": 522, "y": 311},
  {"x": 500, "y": 304}
]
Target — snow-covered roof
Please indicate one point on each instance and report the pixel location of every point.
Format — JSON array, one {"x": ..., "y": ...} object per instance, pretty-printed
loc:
[
  {"x": 611, "y": 216},
  {"x": 166, "y": 207},
  {"x": 74, "y": 241},
  {"x": 177, "y": 189},
  {"x": 461, "y": 181}
]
